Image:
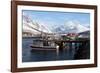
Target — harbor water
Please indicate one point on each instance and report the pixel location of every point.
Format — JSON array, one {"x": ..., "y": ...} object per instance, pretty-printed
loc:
[{"x": 36, "y": 56}]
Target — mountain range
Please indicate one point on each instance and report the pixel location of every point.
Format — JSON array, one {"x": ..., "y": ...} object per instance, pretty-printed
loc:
[
  {"x": 71, "y": 27},
  {"x": 36, "y": 28}
]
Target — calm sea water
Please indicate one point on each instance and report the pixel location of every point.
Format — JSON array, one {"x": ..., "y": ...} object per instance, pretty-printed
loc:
[{"x": 28, "y": 56}]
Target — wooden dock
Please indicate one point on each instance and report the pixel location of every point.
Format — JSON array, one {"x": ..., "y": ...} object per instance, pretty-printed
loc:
[{"x": 83, "y": 42}]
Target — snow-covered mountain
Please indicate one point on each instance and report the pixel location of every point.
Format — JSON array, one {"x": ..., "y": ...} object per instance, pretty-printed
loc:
[
  {"x": 71, "y": 27},
  {"x": 33, "y": 27},
  {"x": 36, "y": 28}
]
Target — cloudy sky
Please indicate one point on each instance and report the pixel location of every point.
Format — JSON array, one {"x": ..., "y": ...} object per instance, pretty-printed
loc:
[{"x": 52, "y": 19}]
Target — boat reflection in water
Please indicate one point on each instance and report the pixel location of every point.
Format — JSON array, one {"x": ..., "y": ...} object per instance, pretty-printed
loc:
[{"x": 35, "y": 50}]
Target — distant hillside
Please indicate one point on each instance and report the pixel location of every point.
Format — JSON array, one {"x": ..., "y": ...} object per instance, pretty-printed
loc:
[{"x": 85, "y": 34}]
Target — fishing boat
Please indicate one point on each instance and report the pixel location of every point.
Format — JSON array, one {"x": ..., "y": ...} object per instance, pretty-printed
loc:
[{"x": 43, "y": 48}]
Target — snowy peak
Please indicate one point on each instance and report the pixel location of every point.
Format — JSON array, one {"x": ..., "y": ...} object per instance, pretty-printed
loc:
[
  {"x": 76, "y": 26},
  {"x": 30, "y": 25},
  {"x": 71, "y": 27}
]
